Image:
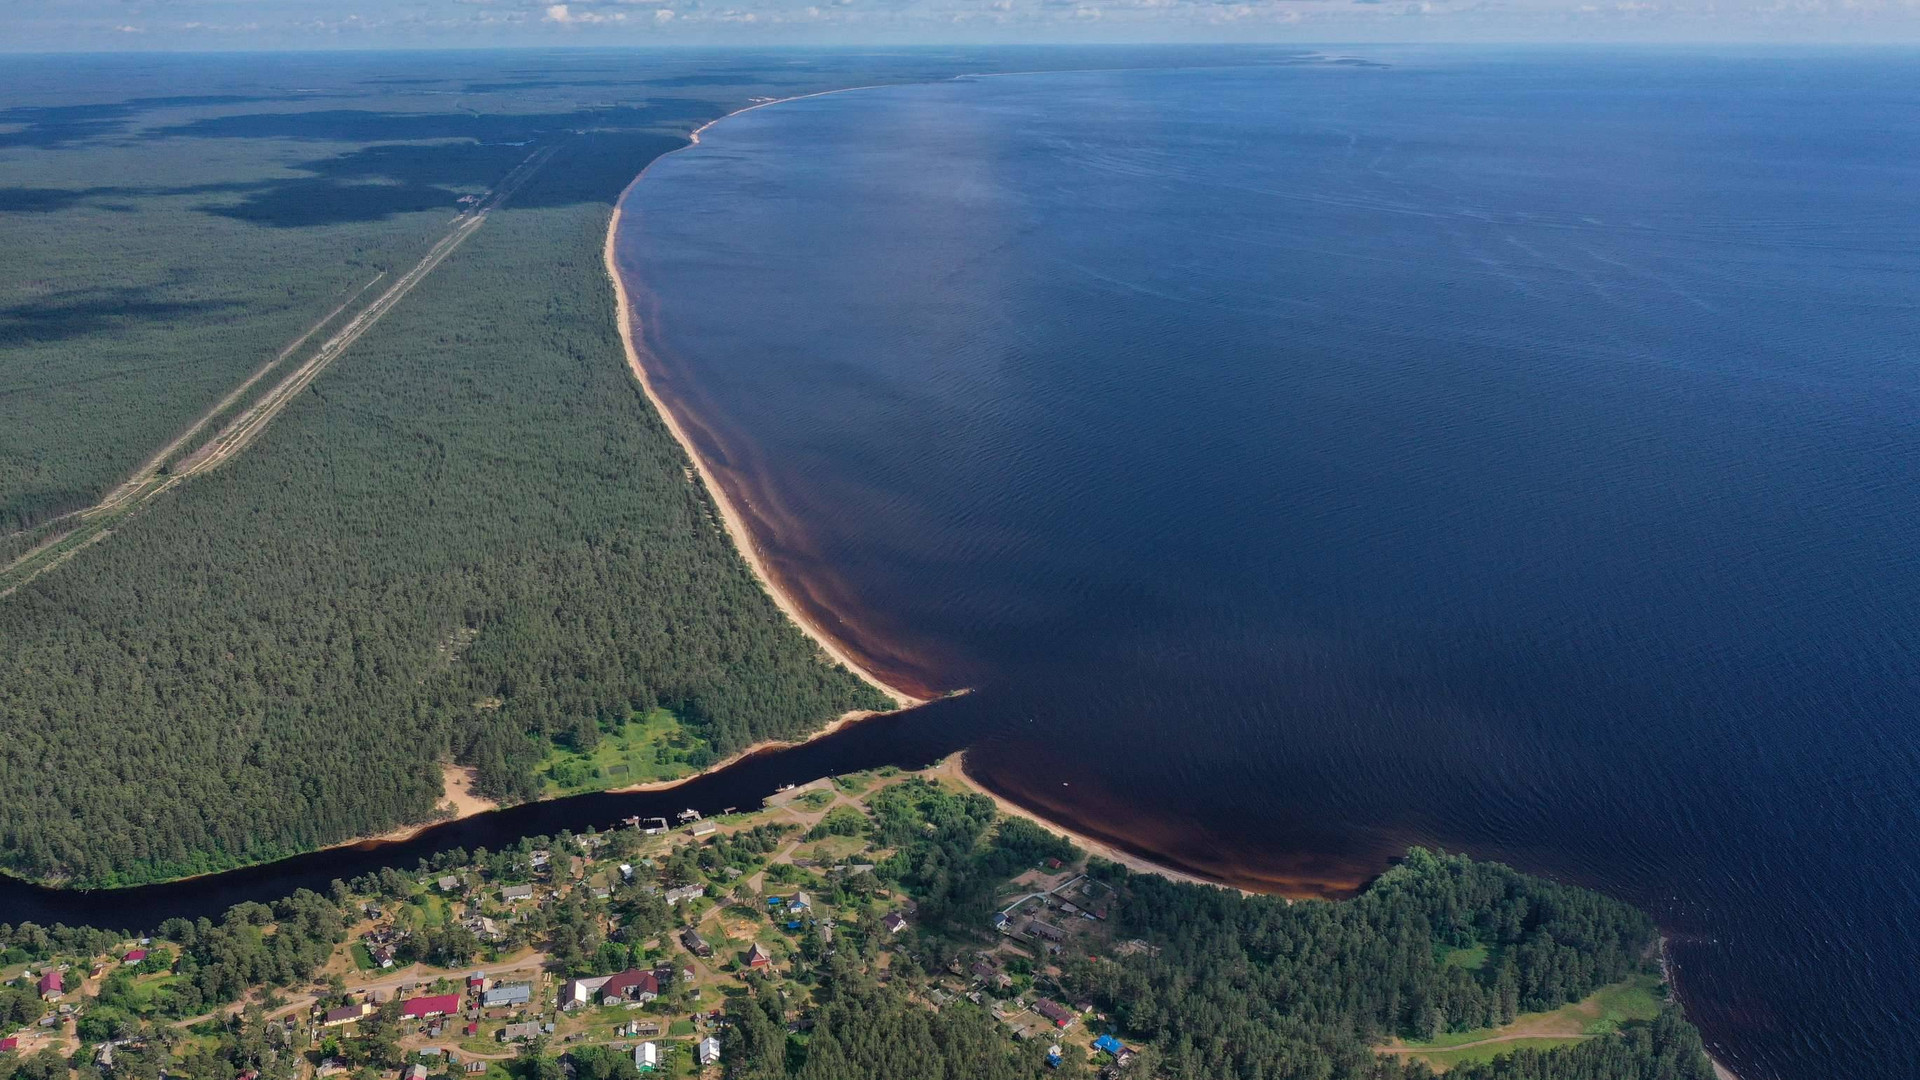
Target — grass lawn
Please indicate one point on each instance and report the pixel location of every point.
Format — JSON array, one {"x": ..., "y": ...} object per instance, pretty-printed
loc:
[
  {"x": 1636, "y": 1000},
  {"x": 650, "y": 746},
  {"x": 836, "y": 849},
  {"x": 362, "y": 959},
  {"x": 146, "y": 988},
  {"x": 680, "y": 1027},
  {"x": 1472, "y": 959},
  {"x": 427, "y": 910}
]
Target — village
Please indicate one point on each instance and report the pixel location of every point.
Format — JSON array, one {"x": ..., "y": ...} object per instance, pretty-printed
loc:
[{"x": 628, "y": 943}]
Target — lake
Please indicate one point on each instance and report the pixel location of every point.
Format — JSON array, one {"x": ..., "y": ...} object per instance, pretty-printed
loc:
[{"x": 1505, "y": 451}]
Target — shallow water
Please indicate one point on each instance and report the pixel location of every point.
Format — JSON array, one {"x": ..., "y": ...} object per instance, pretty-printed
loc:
[{"x": 1508, "y": 452}]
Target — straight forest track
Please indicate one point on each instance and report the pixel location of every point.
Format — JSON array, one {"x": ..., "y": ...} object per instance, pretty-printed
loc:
[
  {"x": 151, "y": 467},
  {"x": 153, "y": 478}
]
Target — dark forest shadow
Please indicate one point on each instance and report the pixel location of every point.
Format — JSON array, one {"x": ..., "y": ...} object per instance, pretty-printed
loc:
[{"x": 79, "y": 312}]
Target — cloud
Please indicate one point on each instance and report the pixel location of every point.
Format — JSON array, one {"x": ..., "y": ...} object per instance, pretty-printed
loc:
[{"x": 566, "y": 16}]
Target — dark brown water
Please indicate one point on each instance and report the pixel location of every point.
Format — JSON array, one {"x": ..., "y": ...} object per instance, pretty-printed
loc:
[{"x": 1512, "y": 453}]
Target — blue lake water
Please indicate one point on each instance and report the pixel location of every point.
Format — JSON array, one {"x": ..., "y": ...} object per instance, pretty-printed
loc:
[{"x": 1513, "y": 452}]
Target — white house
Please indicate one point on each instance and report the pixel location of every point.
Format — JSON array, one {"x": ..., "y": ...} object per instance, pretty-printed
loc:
[
  {"x": 646, "y": 1057},
  {"x": 709, "y": 1050}
]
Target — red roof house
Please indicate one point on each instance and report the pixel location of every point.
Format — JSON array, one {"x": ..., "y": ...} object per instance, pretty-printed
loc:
[
  {"x": 11, "y": 1042},
  {"x": 136, "y": 955},
  {"x": 632, "y": 984},
  {"x": 757, "y": 957},
  {"x": 51, "y": 985},
  {"x": 432, "y": 1005}
]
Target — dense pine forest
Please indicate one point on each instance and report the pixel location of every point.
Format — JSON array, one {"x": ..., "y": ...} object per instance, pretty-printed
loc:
[{"x": 471, "y": 537}]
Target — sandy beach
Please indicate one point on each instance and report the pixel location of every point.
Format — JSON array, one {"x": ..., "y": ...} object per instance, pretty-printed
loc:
[
  {"x": 729, "y": 513},
  {"x": 954, "y": 768},
  {"x": 456, "y": 783}
]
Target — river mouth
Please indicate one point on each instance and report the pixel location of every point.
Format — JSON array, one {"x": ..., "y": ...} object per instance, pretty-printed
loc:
[{"x": 1300, "y": 464}]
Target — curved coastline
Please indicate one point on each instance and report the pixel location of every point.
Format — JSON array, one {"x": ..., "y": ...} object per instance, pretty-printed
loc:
[
  {"x": 952, "y": 768},
  {"x": 731, "y": 514},
  {"x": 738, "y": 531}
]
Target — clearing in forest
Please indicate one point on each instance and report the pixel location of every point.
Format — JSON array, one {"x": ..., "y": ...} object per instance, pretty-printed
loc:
[{"x": 1637, "y": 1000}]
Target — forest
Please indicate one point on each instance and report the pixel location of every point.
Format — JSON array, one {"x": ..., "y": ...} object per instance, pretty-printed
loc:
[{"x": 470, "y": 539}]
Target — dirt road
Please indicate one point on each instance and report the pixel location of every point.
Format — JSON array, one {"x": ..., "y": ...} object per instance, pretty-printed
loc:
[{"x": 153, "y": 478}]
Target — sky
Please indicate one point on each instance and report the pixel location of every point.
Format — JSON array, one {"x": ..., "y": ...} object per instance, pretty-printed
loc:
[{"x": 105, "y": 25}]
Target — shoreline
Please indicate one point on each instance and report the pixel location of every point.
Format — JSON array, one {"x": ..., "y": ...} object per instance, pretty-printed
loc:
[
  {"x": 456, "y": 788},
  {"x": 845, "y": 719},
  {"x": 953, "y": 767},
  {"x": 730, "y": 514},
  {"x": 1720, "y": 1070}
]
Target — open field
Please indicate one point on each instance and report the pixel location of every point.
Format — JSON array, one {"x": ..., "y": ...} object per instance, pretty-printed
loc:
[
  {"x": 650, "y": 747},
  {"x": 1635, "y": 1000}
]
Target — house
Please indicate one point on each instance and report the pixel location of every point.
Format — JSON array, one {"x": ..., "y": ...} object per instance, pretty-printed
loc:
[
  {"x": 448, "y": 883},
  {"x": 484, "y": 928},
  {"x": 51, "y": 986},
  {"x": 894, "y": 923},
  {"x": 11, "y": 1042},
  {"x": 517, "y": 1032},
  {"x": 577, "y": 992},
  {"x": 416, "y": 1071},
  {"x": 702, "y": 828},
  {"x": 646, "y": 1056},
  {"x": 514, "y": 893},
  {"x": 1059, "y": 1014},
  {"x": 694, "y": 943},
  {"x": 1053, "y": 1056},
  {"x": 331, "y": 1067},
  {"x": 473, "y": 1028},
  {"x": 134, "y": 956},
  {"x": 345, "y": 1014},
  {"x": 507, "y": 995},
  {"x": 1109, "y": 1044},
  {"x": 476, "y": 981},
  {"x": 475, "y": 1067},
  {"x": 431, "y": 1005},
  {"x": 708, "y": 1051},
  {"x": 630, "y": 985},
  {"x": 685, "y": 892},
  {"x": 757, "y": 957},
  {"x": 541, "y": 859},
  {"x": 626, "y": 871},
  {"x": 1040, "y": 928},
  {"x": 800, "y": 902}
]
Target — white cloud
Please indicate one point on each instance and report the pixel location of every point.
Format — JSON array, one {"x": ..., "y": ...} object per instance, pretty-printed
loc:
[{"x": 566, "y": 16}]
